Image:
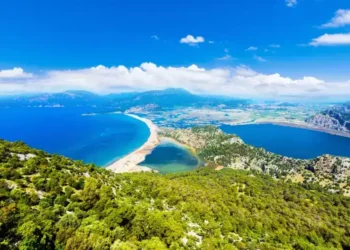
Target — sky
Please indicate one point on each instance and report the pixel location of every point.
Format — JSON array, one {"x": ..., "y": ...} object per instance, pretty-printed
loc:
[{"x": 250, "y": 48}]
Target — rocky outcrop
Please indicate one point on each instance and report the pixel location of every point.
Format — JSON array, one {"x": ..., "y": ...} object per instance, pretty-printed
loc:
[
  {"x": 336, "y": 118},
  {"x": 325, "y": 121}
]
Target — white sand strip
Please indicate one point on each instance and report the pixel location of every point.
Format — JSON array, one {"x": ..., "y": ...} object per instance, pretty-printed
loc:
[{"x": 130, "y": 162}]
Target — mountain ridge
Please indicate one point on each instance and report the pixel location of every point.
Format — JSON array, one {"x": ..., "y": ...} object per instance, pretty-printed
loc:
[
  {"x": 167, "y": 98},
  {"x": 336, "y": 118}
]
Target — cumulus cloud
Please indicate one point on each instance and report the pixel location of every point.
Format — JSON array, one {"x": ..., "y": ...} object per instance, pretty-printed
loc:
[
  {"x": 14, "y": 73},
  {"x": 244, "y": 70},
  {"x": 291, "y": 3},
  {"x": 331, "y": 40},
  {"x": 251, "y": 48},
  {"x": 155, "y": 37},
  {"x": 191, "y": 40},
  {"x": 341, "y": 18},
  {"x": 240, "y": 81}
]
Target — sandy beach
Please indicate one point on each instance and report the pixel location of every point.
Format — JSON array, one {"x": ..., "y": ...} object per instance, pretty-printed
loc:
[{"x": 130, "y": 162}]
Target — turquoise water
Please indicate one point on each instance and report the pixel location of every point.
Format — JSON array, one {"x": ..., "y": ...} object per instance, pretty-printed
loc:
[
  {"x": 289, "y": 141},
  {"x": 169, "y": 157},
  {"x": 98, "y": 139}
]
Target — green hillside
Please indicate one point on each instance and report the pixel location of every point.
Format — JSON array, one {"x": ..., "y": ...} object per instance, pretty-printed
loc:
[
  {"x": 51, "y": 202},
  {"x": 220, "y": 149}
]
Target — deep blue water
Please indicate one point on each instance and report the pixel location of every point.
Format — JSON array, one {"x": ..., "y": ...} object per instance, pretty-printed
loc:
[
  {"x": 289, "y": 141},
  {"x": 98, "y": 139},
  {"x": 168, "y": 157}
]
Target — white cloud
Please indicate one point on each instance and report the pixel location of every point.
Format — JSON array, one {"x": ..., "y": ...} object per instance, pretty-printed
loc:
[
  {"x": 191, "y": 40},
  {"x": 225, "y": 57},
  {"x": 155, "y": 37},
  {"x": 291, "y": 3},
  {"x": 252, "y": 48},
  {"x": 259, "y": 58},
  {"x": 211, "y": 42},
  {"x": 331, "y": 40},
  {"x": 341, "y": 18},
  {"x": 241, "y": 81},
  {"x": 276, "y": 46},
  {"x": 244, "y": 70},
  {"x": 14, "y": 73}
]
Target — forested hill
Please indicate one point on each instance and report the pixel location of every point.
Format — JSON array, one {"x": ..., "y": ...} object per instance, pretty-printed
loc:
[
  {"x": 51, "y": 202},
  {"x": 332, "y": 173}
]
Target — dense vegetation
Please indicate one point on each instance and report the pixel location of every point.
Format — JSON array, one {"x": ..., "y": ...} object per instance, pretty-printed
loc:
[
  {"x": 227, "y": 150},
  {"x": 51, "y": 202}
]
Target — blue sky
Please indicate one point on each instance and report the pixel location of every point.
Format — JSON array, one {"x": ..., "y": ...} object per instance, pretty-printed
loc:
[{"x": 42, "y": 36}]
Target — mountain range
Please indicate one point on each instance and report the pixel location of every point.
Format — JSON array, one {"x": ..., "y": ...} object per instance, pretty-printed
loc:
[{"x": 160, "y": 99}]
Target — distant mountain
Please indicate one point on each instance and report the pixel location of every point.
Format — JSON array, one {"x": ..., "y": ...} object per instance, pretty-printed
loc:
[
  {"x": 160, "y": 99},
  {"x": 336, "y": 118},
  {"x": 67, "y": 98},
  {"x": 287, "y": 104},
  {"x": 173, "y": 97}
]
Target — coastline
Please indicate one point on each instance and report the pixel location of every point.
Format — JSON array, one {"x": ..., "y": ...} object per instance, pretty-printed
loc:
[
  {"x": 129, "y": 163},
  {"x": 295, "y": 125},
  {"x": 185, "y": 146}
]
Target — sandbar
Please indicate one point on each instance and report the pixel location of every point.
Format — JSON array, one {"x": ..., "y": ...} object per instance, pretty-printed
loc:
[{"x": 130, "y": 162}]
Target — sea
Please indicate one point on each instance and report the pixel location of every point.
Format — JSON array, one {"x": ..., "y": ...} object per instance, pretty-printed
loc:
[
  {"x": 102, "y": 137},
  {"x": 291, "y": 141},
  {"x": 93, "y": 136}
]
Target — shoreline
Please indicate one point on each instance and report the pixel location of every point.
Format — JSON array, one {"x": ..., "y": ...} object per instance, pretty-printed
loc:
[
  {"x": 295, "y": 125},
  {"x": 129, "y": 163},
  {"x": 180, "y": 144}
]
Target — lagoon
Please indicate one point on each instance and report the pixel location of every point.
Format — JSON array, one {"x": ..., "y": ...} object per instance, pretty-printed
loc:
[
  {"x": 169, "y": 157},
  {"x": 291, "y": 141}
]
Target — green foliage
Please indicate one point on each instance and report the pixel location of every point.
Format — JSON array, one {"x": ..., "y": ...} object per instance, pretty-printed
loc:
[
  {"x": 55, "y": 203},
  {"x": 216, "y": 148}
]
